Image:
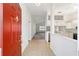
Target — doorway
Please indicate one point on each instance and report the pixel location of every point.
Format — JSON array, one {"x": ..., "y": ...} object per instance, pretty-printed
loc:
[{"x": 11, "y": 29}]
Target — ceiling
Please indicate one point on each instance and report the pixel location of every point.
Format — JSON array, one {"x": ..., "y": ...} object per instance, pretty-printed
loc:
[
  {"x": 65, "y": 8},
  {"x": 42, "y": 9},
  {"x": 40, "y": 12}
]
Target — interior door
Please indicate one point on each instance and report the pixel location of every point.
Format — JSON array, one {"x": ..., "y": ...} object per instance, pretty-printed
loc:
[
  {"x": 11, "y": 29},
  {"x": 1, "y": 27}
]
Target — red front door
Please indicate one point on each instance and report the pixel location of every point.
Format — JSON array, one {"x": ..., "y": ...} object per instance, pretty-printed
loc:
[{"x": 11, "y": 29}]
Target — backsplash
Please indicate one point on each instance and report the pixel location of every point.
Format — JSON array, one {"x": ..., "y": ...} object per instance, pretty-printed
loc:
[{"x": 66, "y": 32}]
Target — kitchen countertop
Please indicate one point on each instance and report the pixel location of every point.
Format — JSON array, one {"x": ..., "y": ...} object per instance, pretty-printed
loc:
[{"x": 63, "y": 46}]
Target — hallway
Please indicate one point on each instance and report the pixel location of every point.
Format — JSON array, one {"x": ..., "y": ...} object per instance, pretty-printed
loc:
[
  {"x": 27, "y": 29},
  {"x": 38, "y": 47}
]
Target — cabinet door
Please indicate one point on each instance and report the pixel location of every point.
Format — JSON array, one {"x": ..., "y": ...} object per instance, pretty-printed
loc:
[{"x": 11, "y": 30}]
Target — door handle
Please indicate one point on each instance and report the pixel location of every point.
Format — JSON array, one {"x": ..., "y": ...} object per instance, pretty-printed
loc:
[{"x": 20, "y": 39}]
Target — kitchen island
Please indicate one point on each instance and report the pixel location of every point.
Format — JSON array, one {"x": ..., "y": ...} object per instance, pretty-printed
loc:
[{"x": 63, "y": 46}]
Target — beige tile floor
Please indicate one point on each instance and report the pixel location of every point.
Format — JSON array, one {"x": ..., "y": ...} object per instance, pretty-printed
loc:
[{"x": 38, "y": 47}]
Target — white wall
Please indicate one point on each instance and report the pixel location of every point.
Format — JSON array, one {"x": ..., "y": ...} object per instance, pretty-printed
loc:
[
  {"x": 26, "y": 26},
  {"x": 47, "y": 23},
  {"x": 1, "y": 28},
  {"x": 33, "y": 28}
]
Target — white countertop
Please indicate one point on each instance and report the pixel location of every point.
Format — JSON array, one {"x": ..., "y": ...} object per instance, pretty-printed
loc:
[
  {"x": 63, "y": 46},
  {"x": 65, "y": 37}
]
